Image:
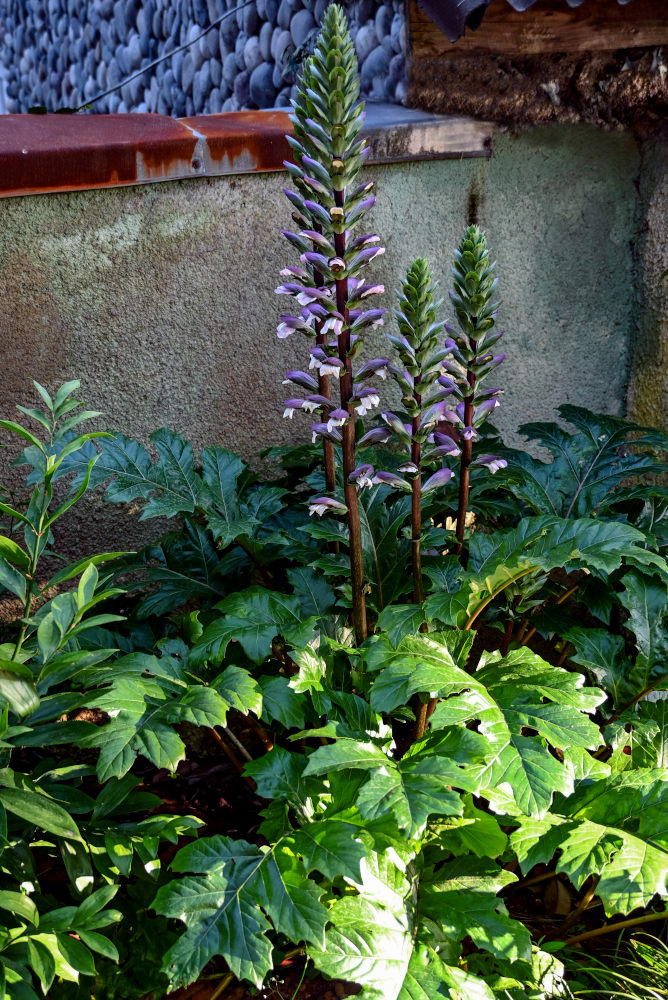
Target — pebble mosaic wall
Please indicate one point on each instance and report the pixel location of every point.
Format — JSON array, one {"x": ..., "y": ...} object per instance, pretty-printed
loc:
[{"x": 65, "y": 53}]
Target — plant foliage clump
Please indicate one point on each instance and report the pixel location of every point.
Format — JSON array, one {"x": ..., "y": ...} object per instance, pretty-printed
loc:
[{"x": 445, "y": 694}]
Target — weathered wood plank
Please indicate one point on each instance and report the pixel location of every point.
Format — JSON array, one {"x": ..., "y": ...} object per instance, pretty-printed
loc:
[{"x": 550, "y": 26}]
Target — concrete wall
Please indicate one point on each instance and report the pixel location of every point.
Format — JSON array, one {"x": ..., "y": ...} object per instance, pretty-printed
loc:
[
  {"x": 160, "y": 297},
  {"x": 648, "y": 388}
]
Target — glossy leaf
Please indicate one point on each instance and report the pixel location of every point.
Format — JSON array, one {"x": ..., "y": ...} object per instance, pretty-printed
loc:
[
  {"x": 615, "y": 828},
  {"x": 226, "y": 909},
  {"x": 462, "y": 897},
  {"x": 253, "y": 617}
]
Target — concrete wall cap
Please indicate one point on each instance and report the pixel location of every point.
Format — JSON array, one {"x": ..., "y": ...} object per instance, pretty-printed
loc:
[{"x": 42, "y": 154}]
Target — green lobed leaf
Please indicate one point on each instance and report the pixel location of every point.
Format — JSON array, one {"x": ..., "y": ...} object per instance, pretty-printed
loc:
[
  {"x": 462, "y": 897},
  {"x": 224, "y": 910},
  {"x": 239, "y": 690},
  {"x": 331, "y": 846},
  {"x": 139, "y": 726},
  {"x": 370, "y": 937},
  {"x": 509, "y": 694},
  {"x": 316, "y": 597},
  {"x": 399, "y": 620},
  {"x": 254, "y": 617},
  {"x": 220, "y": 471},
  {"x": 281, "y": 703},
  {"x": 431, "y": 665},
  {"x": 616, "y": 828},
  {"x": 646, "y": 600}
]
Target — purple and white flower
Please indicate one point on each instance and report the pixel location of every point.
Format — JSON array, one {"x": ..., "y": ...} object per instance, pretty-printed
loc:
[
  {"x": 377, "y": 435},
  {"x": 303, "y": 379},
  {"x": 490, "y": 462},
  {"x": 325, "y": 364},
  {"x": 391, "y": 479},
  {"x": 376, "y": 366},
  {"x": 290, "y": 406},
  {"x": 368, "y": 398},
  {"x": 321, "y": 430},
  {"x": 438, "y": 479},
  {"x": 337, "y": 418},
  {"x": 360, "y": 319},
  {"x": 326, "y": 505},
  {"x": 361, "y": 476}
]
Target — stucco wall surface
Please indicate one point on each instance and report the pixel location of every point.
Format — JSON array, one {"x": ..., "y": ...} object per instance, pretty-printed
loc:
[
  {"x": 160, "y": 298},
  {"x": 648, "y": 389}
]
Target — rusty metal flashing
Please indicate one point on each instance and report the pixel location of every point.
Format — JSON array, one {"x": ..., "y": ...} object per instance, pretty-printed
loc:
[{"x": 42, "y": 154}]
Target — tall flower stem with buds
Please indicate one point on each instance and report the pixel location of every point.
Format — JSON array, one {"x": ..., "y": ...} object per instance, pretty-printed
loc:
[
  {"x": 424, "y": 391},
  {"x": 472, "y": 359},
  {"x": 327, "y": 119}
]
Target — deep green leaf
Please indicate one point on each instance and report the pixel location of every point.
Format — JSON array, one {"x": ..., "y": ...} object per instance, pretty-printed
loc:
[
  {"x": 254, "y": 617},
  {"x": 281, "y": 703},
  {"x": 224, "y": 910},
  {"x": 316, "y": 597},
  {"x": 399, "y": 620},
  {"x": 616, "y": 827},
  {"x": 239, "y": 690},
  {"x": 17, "y": 687},
  {"x": 20, "y": 905},
  {"x": 40, "y": 811},
  {"x": 462, "y": 897}
]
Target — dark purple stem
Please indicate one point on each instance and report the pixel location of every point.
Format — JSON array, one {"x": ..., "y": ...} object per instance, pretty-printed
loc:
[
  {"x": 323, "y": 389},
  {"x": 348, "y": 447},
  {"x": 465, "y": 462},
  {"x": 416, "y": 508}
]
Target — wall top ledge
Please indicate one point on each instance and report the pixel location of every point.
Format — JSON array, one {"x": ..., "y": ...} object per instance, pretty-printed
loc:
[{"x": 41, "y": 154}]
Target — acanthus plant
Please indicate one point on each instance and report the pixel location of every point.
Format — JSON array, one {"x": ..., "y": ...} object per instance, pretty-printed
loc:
[
  {"x": 440, "y": 381},
  {"x": 329, "y": 286},
  {"x": 471, "y": 360},
  {"x": 405, "y": 866}
]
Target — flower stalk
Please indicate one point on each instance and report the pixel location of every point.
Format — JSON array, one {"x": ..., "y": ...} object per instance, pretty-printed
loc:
[
  {"x": 327, "y": 118},
  {"x": 424, "y": 389},
  {"x": 471, "y": 360}
]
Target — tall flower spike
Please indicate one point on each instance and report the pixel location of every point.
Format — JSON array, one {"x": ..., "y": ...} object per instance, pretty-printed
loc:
[
  {"x": 471, "y": 359},
  {"x": 424, "y": 394},
  {"x": 329, "y": 204}
]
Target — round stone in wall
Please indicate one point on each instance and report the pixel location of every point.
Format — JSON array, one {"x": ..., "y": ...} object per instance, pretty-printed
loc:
[
  {"x": 383, "y": 21},
  {"x": 284, "y": 14},
  {"x": 266, "y": 31},
  {"x": 376, "y": 65},
  {"x": 365, "y": 42},
  {"x": 262, "y": 90},
  {"x": 252, "y": 53},
  {"x": 60, "y": 52},
  {"x": 301, "y": 24},
  {"x": 134, "y": 52},
  {"x": 250, "y": 19},
  {"x": 216, "y": 71},
  {"x": 242, "y": 88}
]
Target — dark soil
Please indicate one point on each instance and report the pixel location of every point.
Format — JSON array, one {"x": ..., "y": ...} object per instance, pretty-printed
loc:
[
  {"x": 207, "y": 785},
  {"x": 623, "y": 88}
]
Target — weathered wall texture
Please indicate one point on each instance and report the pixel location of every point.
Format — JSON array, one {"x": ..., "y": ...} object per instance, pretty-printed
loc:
[
  {"x": 160, "y": 298},
  {"x": 648, "y": 389}
]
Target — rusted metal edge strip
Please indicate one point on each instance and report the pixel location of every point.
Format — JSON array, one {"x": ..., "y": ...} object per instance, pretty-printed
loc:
[{"x": 41, "y": 154}]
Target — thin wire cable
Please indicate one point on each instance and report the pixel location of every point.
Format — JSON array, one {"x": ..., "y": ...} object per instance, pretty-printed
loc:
[{"x": 162, "y": 58}]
